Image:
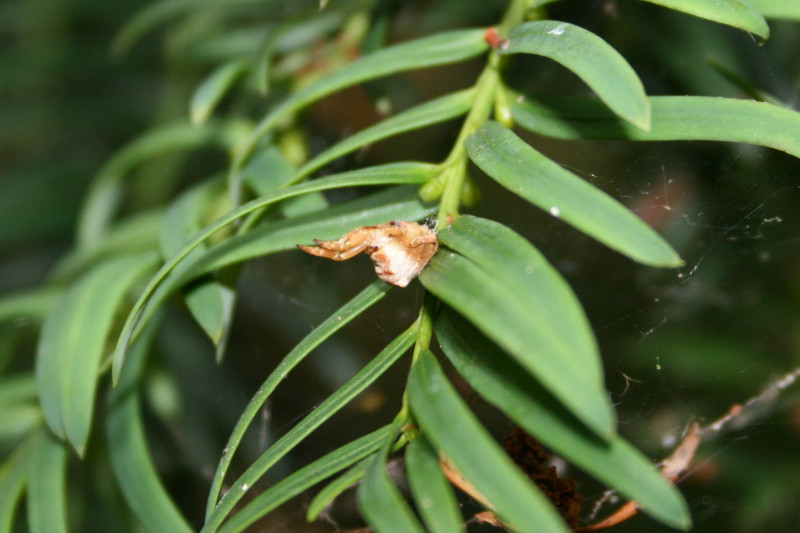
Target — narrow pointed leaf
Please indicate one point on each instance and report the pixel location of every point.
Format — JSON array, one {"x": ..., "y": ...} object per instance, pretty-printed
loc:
[
  {"x": 18, "y": 388},
  {"x": 433, "y": 494},
  {"x": 20, "y": 415},
  {"x": 105, "y": 192},
  {"x": 675, "y": 118},
  {"x": 363, "y": 379},
  {"x": 439, "y": 110},
  {"x": 499, "y": 310},
  {"x": 213, "y": 89},
  {"x": 29, "y": 304},
  {"x": 332, "y": 490},
  {"x": 72, "y": 343},
  {"x": 130, "y": 457},
  {"x": 509, "y": 256},
  {"x": 439, "y": 49},
  {"x": 13, "y": 477},
  {"x": 47, "y": 485},
  {"x": 382, "y": 505},
  {"x": 131, "y": 235},
  {"x": 344, "y": 315},
  {"x": 209, "y": 301},
  {"x": 778, "y": 9},
  {"x": 183, "y": 218},
  {"x": 135, "y": 472},
  {"x": 159, "y": 13},
  {"x": 455, "y": 432},
  {"x": 502, "y": 383},
  {"x": 518, "y": 167},
  {"x": 332, "y": 223},
  {"x": 600, "y": 66},
  {"x": 305, "y": 478},
  {"x": 737, "y": 13},
  {"x": 18, "y": 419},
  {"x": 211, "y": 304},
  {"x": 267, "y": 171},
  {"x": 383, "y": 175}
]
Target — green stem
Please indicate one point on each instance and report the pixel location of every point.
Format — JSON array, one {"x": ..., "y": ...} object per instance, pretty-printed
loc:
[
  {"x": 515, "y": 14},
  {"x": 424, "y": 326},
  {"x": 454, "y": 168},
  {"x": 423, "y": 342}
]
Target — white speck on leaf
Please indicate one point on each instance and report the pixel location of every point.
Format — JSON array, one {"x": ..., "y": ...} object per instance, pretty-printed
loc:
[
  {"x": 555, "y": 211},
  {"x": 558, "y": 30}
]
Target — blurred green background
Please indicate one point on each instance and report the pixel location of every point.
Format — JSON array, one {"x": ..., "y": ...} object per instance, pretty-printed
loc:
[{"x": 680, "y": 346}]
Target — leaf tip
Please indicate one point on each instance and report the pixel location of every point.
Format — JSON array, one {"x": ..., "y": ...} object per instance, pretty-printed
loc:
[
  {"x": 116, "y": 364},
  {"x": 80, "y": 449},
  {"x": 761, "y": 29},
  {"x": 198, "y": 116},
  {"x": 673, "y": 260},
  {"x": 643, "y": 119}
]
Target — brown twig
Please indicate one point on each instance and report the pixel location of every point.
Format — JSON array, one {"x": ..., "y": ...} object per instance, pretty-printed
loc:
[{"x": 738, "y": 416}]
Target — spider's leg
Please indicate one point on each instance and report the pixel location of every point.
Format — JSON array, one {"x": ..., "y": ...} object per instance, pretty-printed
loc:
[
  {"x": 317, "y": 250},
  {"x": 333, "y": 246},
  {"x": 425, "y": 239},
  {"x": 342, "y": 249},
  {"x": 351, "y": 251}
]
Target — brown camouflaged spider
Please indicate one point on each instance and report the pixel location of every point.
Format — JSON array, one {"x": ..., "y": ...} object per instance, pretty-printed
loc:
[{"x": 399, "y": 249}]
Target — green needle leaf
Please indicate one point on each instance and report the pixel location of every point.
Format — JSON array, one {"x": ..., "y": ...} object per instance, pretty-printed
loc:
[
  {"x": 498, "y": 311},
  {"x": 362, "y": 301},
  {"x": 134, "y": 469},
  {"x": 510, "y": 257},
  {"x": 675, "y": 118},
  {"x": 13, "y": 477},
  {"x": 209, "y": 301},
  {"x": 130, "y": 457},
  {"x": 363, "y": 379},
  {"x": 432, "y": 492},
  {"x": 105, "y": 192},
  {"x": 305, "y": 478},
  {"x": 160, "y": 13},
  {"x": 527, "y": 173},
  {"x": 737, "y": 13},
  {"x": 135, "y": 233},
  {"x": 213, "y": 89},
  {"x": 47, "y": 486},
  {"x": 72, "y": 343},
  {"x": 778, "y": 9},
  {"x": 433, "y": 112},
  {"x": 504, "y": 384},
  {"x": 455, "y": 432},
  {"x": 439, "y": 49},
  {"x": 332, "y": 490},
  {"x": 29, "y": 304},
  {"x": 592, "y": 59},
  {"x": 381, "y": 503}
]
